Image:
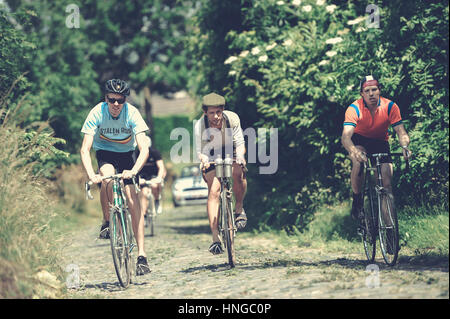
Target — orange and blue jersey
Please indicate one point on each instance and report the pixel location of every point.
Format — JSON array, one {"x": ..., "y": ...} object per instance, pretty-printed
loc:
[{"x": 376, "y": 127}]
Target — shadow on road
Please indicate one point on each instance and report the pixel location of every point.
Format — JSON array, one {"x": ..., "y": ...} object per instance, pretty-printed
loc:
[
  {"x": 111, "y": 287},
  {"x": 344, "y": 262},
  {"x": 105, "y": 286},
  {"x": 435, "y": 264},
  {"x": 212, "y": 268},
  {"x": 200, "y": 229}
]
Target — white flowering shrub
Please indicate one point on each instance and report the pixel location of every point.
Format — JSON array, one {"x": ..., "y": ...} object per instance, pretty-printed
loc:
[{"x": 301, "y": 69}]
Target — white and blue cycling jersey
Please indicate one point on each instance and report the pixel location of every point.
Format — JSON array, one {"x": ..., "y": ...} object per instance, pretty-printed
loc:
[{"x": 114, "y": 134}]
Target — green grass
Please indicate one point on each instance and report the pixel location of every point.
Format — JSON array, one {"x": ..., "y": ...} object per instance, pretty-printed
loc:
[
  {"x": 424, "y": 233},
  {"x": 27, "y": 238},
  {"x": 35, "y": 215}
]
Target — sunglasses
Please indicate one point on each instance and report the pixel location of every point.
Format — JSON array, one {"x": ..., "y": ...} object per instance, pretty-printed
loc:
[{"x": 112, "y": 100}]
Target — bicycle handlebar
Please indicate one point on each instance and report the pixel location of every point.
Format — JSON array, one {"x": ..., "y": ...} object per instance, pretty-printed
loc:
[
  {"x": 243, "y": 166},
  {"x": 379, "y": 155},
  {"x": 87, "y": 185},
  {"x": 149, "y": 183},
  {"x": 392, "y": 154}
]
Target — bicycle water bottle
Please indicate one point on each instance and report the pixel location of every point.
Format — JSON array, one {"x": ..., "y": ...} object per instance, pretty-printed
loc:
[
  {"x": 228, "y": 164},
  {"x": 219, "y": 167}
]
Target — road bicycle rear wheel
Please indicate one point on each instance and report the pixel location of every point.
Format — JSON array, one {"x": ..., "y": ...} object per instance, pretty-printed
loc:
[
  {"x": 388, "y": 229},
  {"x": 151, "y": 215},
  {"x": 151, "y": 223},
  {"x": 228, "y": 226},
  {"x": 369, "y": 237},
  {"x": 119, "y": 246}
]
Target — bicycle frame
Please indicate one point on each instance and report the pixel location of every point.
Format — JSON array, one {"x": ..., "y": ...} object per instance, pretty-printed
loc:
[
  {"x": 385, "y": 209},
  {"x": 119, "y": 200},
  {"x": 119, "y": 213},
  {"x": 226, "y": 196},
  {"x": 226, "y": 226}
]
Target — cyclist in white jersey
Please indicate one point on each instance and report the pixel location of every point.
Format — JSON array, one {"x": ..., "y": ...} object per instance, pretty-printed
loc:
[
  {"x": 219, "y": 132},
  {"x": 114, "y": 128}
]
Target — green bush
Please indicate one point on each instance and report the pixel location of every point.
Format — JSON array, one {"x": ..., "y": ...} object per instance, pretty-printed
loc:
[
  {"x": 163, "y": 126},
  {"x": 299, "y": 68}
]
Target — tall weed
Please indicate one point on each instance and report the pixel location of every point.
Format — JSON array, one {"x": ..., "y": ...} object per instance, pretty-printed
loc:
[{"x": 26, "y": 212}]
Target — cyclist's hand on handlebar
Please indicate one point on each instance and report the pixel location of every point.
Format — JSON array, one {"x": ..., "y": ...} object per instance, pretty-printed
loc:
[
  {"x": 204, "y": 162},
  {"x": 127, "y": 174},
  {"x": 96, "y": 179},
  {"x": 406, "y": 152},
  {"x": 241, "y": 160},
  {"x": 360, "y": 156}
]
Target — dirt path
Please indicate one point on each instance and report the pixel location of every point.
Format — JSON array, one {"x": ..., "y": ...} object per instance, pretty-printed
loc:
[{"x": 183, "y": 268}]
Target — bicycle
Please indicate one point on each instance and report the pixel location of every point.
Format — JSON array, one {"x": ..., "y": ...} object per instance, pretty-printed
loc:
[
  {"x": 120, "y": 228},
  {"x": 151, "y": 209},
  {"x": 379, "y": 216},
  {"x": 226, "y": 223}
]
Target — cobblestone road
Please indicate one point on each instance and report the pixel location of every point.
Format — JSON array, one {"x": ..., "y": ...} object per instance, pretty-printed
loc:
[{"x": 183, "y": 268}]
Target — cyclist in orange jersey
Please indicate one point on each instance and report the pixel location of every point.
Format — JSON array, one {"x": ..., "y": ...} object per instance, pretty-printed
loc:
[{"x": 366, "y": 132}]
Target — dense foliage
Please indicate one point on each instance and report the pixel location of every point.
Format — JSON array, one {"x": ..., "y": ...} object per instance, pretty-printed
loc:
[
  {"x": 70, "y": 49},
  {"x": 296, "y": 66},
  {"x": 291, "y": 65}
]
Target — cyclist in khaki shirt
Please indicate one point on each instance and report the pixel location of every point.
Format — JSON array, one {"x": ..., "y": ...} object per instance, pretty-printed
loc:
[{"x": 218, "y": 131}]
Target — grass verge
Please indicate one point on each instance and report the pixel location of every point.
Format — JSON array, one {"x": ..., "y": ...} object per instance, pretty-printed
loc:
[{"x": 424, "y": 233}]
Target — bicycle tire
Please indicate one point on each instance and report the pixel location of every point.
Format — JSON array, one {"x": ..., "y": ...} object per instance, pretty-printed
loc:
[
  {"x": 119, "y": 249},
  {"x": 389, "y": 244},
  {"x": 228, "y": 227},
  {"x": 151, "y": 222},
  {"x": 131, "y": 245},
  {"x": 151, "y": 216},
  {"x": 369, "y": 237}
]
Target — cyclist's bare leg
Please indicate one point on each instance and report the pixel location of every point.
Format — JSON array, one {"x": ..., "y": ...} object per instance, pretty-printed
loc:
[
  {"x": 105, "y": 193},
  {"x": 213, "y": 203},
  {"x": 156, "y": 190},
  {"x": 143, "y": 199},
  {"x": 386, "y": 175},
  {"x": 239, "y": 187},
  {"x": 137, "y": 218},
  {"x": 355, "y": 177}
]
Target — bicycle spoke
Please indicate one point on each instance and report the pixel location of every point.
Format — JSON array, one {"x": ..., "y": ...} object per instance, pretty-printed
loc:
[
  {"x": 388, "y": 230},
  {"x": 119, "y": 247}
]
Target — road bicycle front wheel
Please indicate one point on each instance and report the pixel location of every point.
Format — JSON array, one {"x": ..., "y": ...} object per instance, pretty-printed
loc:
[
  {"x": 228, "y": 226},
  {"x": 131, "y": 246},
  {"x": 368, "y": 235},
  {"x": 119, "y": 246},
  {"x": 388, "y": 229}
]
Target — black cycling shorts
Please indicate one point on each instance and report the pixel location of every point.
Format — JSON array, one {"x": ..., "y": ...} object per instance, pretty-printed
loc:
[
  {"x": 373, "y": 146},
  {"x": 120, "y": 161},
  {"x": 148, "y": 175}
]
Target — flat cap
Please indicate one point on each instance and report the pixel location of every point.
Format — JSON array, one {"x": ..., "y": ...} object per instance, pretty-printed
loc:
[{"x": 213, "y": 99}]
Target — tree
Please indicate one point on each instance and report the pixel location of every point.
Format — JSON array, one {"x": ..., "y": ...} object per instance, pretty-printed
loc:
[
  {"x": 140, "y": 41},
  {"x": 298, "y": 68}
]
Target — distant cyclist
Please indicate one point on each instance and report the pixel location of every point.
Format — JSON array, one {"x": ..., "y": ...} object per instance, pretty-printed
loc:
[
  {"x": 114, "y": 128},
  {"x": 365, "y": 132},
  {"x": 154, "y": 171},
  {"x": 219, "y": 132}
]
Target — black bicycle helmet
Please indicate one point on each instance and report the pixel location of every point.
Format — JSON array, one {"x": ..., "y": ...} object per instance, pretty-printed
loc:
[{"x": 117, "y": 86}]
